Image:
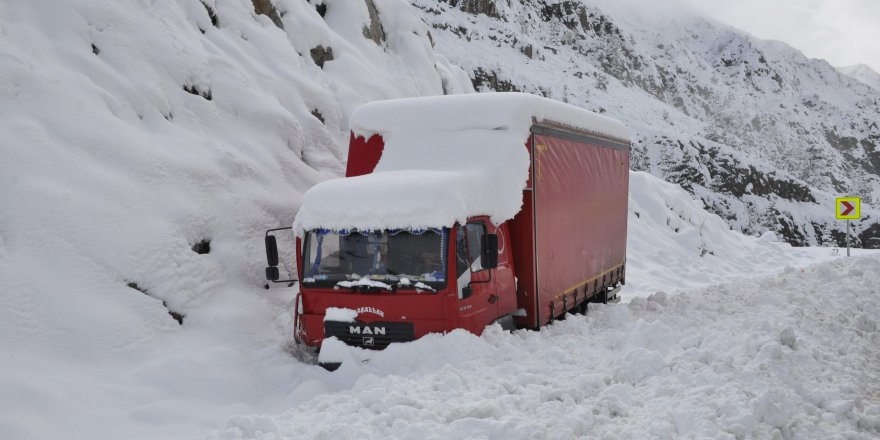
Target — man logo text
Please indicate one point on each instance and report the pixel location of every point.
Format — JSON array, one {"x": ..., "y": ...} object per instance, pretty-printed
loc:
[{"x": 366, "y": 330}]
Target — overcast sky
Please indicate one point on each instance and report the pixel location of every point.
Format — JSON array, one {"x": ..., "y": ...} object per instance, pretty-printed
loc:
[{"x": 844, "y": 32}]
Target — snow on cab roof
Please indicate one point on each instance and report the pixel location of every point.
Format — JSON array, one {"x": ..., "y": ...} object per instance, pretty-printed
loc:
[{"x": 446, "y": 158}]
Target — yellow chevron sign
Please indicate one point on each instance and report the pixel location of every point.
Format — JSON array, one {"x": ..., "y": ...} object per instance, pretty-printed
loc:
[{"x": 848, "y": 208}]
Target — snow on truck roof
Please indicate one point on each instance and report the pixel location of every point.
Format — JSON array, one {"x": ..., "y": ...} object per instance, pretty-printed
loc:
[
  {"x": 446, "y": 158},
  {"x": 506, "y": 110}
]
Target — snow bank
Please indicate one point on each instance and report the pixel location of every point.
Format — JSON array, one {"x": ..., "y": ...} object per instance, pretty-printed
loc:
[
  {"x": 674, "y": 244},
  {"x": 775, "y": 357},
  {"x": 445, "y": 159},
  {"x": 145, "y": 147}
]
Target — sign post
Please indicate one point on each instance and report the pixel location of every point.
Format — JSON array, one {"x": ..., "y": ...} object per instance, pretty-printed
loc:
[{"x": 848, "y": 208}]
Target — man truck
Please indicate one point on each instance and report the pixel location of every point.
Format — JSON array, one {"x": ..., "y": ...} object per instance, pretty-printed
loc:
[{"x": 457, "y": 212}]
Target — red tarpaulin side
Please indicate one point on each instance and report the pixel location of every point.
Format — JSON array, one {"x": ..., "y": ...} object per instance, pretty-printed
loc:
[
  {"x": 581, "y": 195},
  {"x": 363, "y": 154}
]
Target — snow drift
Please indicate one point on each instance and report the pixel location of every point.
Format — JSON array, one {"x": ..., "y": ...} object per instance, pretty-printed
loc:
[
  {"x": 146, "y": 146},
  {"x": 774, "y": 357}
]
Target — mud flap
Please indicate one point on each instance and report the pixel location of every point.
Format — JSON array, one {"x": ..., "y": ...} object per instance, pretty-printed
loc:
[{"x": 330, "y": 366}]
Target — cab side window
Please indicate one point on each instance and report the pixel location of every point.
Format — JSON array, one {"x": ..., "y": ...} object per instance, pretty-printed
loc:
[
  {"x": 461, "y": 252},
  {"x": 475, "y": 233},
  {"x": 467, "y": 247}
]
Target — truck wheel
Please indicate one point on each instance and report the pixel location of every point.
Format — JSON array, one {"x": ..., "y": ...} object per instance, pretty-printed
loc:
[{"x": 584, "y": 307}]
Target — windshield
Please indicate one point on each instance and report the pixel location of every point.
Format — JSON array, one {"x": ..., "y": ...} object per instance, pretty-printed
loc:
[{"x": 376, "y": 260}]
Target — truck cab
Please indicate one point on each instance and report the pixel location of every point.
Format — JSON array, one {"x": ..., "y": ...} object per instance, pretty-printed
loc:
[{"x": 404, "y": 284}]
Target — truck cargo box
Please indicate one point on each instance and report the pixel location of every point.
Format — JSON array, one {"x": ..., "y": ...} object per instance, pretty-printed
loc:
[{"x": 569, "y": 239}]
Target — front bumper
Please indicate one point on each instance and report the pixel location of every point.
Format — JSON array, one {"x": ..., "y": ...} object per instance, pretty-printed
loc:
[{"x": 374, "y": 335}]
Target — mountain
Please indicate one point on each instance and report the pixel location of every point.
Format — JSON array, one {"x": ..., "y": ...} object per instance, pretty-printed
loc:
[
  {"x": 863, "y": 73},
  {"x": 763, "y": 135}
]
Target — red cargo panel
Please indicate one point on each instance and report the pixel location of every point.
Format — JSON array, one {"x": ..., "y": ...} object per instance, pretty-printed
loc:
[
  {"x": 581, "y": 191},
  {"x": 363, "y": 154}
]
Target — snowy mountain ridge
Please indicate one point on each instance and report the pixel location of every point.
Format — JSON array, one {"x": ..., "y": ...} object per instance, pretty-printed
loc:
[
  {"x": 762, "y": 134},
  {"x": 863, "y": 73}
]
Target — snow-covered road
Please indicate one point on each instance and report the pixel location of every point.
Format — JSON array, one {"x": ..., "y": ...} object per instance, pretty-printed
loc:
[{"x": 794, "y": 355}]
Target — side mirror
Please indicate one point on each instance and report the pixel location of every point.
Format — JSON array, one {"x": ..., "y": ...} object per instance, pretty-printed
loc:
[
  {"x": 272, "y": 273},
  {"x": 466, "y": 292},
  {"x": 271, "y": 252},
  {"x": 489, "y": 251}
]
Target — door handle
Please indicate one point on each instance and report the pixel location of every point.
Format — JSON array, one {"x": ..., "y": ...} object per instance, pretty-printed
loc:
[{"x": 493, "y": 299}]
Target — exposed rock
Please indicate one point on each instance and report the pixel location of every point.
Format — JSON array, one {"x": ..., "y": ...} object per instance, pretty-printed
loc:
[
  {"x": 488, "y": 81},
  {"x": 265, "y": 7},
  {"x": 211, "y": 13},
  {"x": 175, "y": 315},
  {"x": 870, "y": 236},
  {"x": 202, "y": 247},
  {"x": 317, "y": 114},
  {"x": 321, "y": 55},
  {"x": 193, "y": 90},
  {"x": 374, "y": 31},
  {"x": 476, "y": 7}
]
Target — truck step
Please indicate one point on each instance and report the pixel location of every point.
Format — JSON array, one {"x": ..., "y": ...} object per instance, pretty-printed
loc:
[{"x": 609, "y": 295}]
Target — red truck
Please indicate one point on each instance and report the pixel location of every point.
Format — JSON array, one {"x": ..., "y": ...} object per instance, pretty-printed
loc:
[{"x": 432, "y": 271}]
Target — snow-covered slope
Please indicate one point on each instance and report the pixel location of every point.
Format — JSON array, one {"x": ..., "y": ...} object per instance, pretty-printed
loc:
[
  {"x": 145, "y": 148},
  {"x": 862, "y": 73},
  {"x": 147, "y": 145},
  {"x": 765, "y": 136}
]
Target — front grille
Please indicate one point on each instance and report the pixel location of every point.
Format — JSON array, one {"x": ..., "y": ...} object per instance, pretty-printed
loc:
[{"x": 376, "y": 335}]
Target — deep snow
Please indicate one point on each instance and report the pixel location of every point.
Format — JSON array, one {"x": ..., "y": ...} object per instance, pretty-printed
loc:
[
  {"x": 134, "y": 134},
  {"x": 787, "y": 356},
  {"x": 232, "y": 362},
  {"x": 116, "y": 168}
]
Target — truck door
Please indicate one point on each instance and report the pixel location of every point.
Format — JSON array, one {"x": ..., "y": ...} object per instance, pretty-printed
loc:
[
  {"x": 477, "y": 299},
  {"x": 503, "y": 276}
]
